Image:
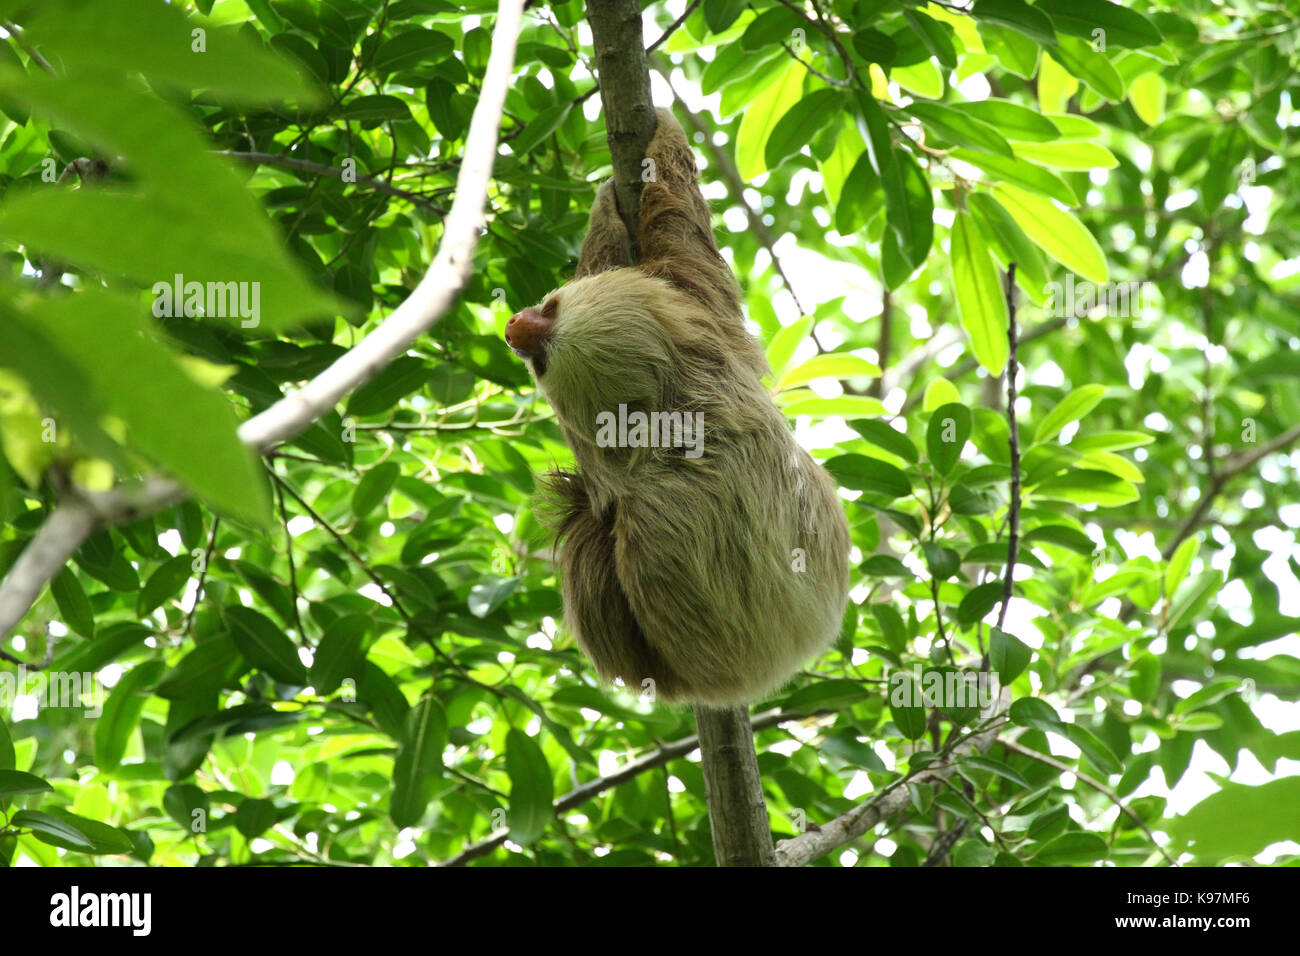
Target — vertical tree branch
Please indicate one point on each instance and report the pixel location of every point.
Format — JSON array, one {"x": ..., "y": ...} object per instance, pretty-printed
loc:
[
  {"x": 624, "y": 76},
  {"x": 737, "y": 810},
  {"x": 733, "y": 787},
  {"x": 1013, "y": 428}
]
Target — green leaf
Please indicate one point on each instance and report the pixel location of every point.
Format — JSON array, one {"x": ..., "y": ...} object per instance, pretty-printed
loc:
[
  {"x": 1098, "y": 754},
  {"x": 1056, "y": 231},
  {"x": 1011, "y": 243},
  {"x": 942, "y": 562},
  {"x": 1180, "y": 563},
  {"x": 1005, "y": 771},
  {"x": 946, "y": 436},
  {"x": 113, "y": 641},
  {"x": 801, "y": 123},
  {"x": 1239, "y": 821},
  {"x": 419, "y": 762},
  {"x": 157, "y": 40},
  {"x": 1037, "y": 713},
  {"x": 761, "y": 117},
  {"x": 384, "y": 699},
  {"x": 1073, "y": 407},
  {"x": 50, "y": 829},
  {"x": 883, "y": 435},
  {"x": 847, "y": 406},
  {"x": 531, "y": 788},
  {"x": 1017, "y": 15},
  {"x": 1072, "y": 849},
  {"x": 180, "y": 803},
  {"x": 1091, "y": 67},
  {"x": 265, "y": 646},
  {"x": 1145, "y": 678},
  {"x": 373, "y": 487},
  {"x": 1063, "y": 536},
  {"x": 891, "y": 626},
  {"x": 186, "y": 427},
  {"x": 13, "y": 782},
  {"x": 1110, "y": 441},
  {"x": 960, "y": 128},
  {"x": 908, "y": 718},
  {"x": 410, "y": 49},
  {"x": 828, "y": 366},
  {"x": 1087, "y": 487},
  {"x": 785, "y": 342},
  {"x": 935, "y": 36},
  {"x": 339, "y": 655},
  {"x": 1147, "y": 94},
  {"x": 871, "y": 475},
  {"x": 977, "y": 602},
  {"x": 1011, "y": 119},
  {"x": 72, "y": 602},
  {"x": 1120, "y": 26},
  {"x": 403, "y": 376},
  {"x": 167, "y": 579},
  {"x": 1021, "y": 173},
  {"x": 940, "y": 392},
  {"x": 543, "y": 125},
  {"x": 254, "y": 817},
  {"x": 1207, "y": 696},
  {"x": 980, "y": 299},
  {"x": 372, "y": 110},
  {"x": 187, "y": 213},
  {"x": 486, "y": 597},
  {"x": 908, "y": 203},
  {"x": 1068, "y": 155},
  {"x": 122, "y": 713},
  {"x": 211, "y": 666}
]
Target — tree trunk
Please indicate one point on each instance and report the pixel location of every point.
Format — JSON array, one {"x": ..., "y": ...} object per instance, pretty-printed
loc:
[{"x": 742, "y": 835}]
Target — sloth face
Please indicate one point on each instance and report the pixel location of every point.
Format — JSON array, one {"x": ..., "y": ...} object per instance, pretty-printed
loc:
[{"x": 597, "y": 343}]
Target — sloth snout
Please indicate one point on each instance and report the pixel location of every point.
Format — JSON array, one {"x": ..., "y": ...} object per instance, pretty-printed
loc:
[{"x": 528, "y": 331}]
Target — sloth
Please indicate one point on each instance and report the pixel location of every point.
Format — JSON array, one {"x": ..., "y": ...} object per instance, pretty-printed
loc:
[{"x": 703, "y": 554}]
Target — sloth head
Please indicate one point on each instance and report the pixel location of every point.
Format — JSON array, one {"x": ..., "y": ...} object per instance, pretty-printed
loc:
[{"x": 599, "y": 342}]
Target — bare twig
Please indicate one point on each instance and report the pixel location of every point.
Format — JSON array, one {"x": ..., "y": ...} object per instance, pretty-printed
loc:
[
  {"x": 1095, "y": 784},
  {"x": 322, "y": 169},
  {"x": 1013, "y": 428},
  {"x": 848, "y": 826}
]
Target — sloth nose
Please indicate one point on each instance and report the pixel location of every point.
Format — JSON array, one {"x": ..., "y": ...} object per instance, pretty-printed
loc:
[{"x": 528, "y": 331}]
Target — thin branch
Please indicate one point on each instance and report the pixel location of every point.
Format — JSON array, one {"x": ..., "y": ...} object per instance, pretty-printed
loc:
[
  {"x": 74, "y": 520},
  {"x": 629, "y": 771},
  {"x": 1229, "y": 468},
  {"x": 721, "y": 162},
  {"x": 673, "y": 27},
  {"x": 1013, "y": 440},
  {"x": 848, "y": 826},
  {"x": 1095, "y": 784},
  {"x": 923, "y": 355},
  {"x": 322, "y": 169}
]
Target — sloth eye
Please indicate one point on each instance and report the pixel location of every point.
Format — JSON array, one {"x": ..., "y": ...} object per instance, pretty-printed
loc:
[{"x": 549, "y": 309}]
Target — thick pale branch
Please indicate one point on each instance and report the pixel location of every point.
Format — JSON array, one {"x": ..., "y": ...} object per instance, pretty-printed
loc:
[
  {"x": 847, "y": 827},
  {"x": 65, "y": 530}
]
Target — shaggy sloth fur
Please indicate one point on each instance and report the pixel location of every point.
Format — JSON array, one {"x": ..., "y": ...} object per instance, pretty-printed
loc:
[{"x": 717, "y": 576}]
